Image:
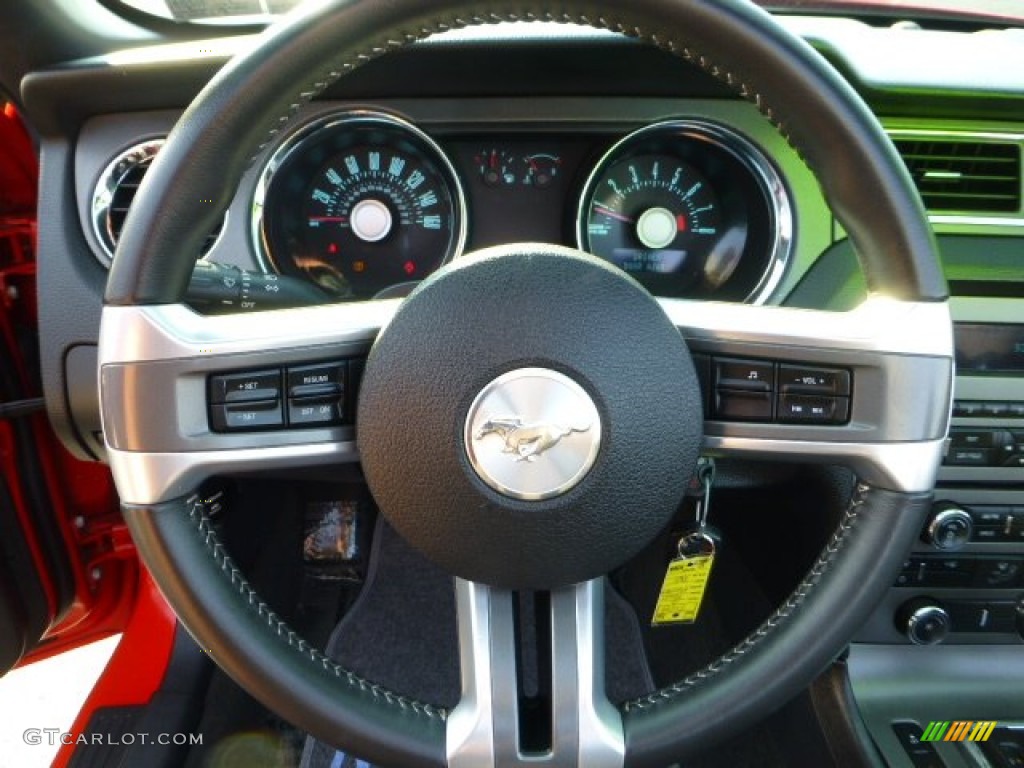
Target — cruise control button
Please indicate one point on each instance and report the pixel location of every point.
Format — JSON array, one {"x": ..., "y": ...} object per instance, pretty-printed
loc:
[
  {"x": 316, "y": 380},
  {"x": 315, "y": 411},
  {"x": 245, "y": 387},
  {"x": 804, "y": 380},
  {"x": 743, "y": 406},
  {"x": 231, "y": 417},
  {"x": 807, "y": 409},
  {"x": 753, "y": 375}
]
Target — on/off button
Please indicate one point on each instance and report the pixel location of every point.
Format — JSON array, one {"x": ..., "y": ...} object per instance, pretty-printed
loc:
[{"x": 314, "y": 410}]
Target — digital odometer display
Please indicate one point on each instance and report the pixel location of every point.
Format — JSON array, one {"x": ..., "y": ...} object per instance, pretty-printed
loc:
[{"x": 989, "y": 348}]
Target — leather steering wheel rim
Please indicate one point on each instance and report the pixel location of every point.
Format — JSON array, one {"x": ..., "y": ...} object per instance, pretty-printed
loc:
[{"x": 242, "y": 109}]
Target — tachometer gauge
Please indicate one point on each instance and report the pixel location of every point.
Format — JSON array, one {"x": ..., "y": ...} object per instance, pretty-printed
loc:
[
  {"x": 363, "y": 204},
  {"x": 690, "y": 210}
]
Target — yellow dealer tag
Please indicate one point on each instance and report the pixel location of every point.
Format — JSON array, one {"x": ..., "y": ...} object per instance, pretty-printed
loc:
[{"x": 683, "y": 589}]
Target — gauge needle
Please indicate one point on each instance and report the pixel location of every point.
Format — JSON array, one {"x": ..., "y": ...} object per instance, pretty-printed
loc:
[
  {"x": 339, "y": 219},
  {"x": 612, "y": 214}
]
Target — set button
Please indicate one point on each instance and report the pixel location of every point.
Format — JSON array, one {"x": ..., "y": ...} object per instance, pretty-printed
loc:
[
  {"x": 244, "y": 401},
  {"x": 308, "y": 395},
  {"x": 245, "y": 387}
]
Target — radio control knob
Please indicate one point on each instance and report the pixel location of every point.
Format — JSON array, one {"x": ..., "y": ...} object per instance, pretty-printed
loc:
[
  {"x": 949, "y": 527},
  {"x": 923, "y": 620}
]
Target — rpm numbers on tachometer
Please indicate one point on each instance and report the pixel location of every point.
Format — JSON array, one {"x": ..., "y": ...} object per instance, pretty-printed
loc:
[
  {"x": 690, "y": 209},
  {"x": 652, "y": 213},
  {"x": 363, "y": 205}
]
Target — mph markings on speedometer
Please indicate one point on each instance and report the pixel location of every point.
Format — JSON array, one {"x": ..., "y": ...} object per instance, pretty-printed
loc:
[
  {"x": 652, "y": 213},
  {"x": 362, "y": 204},
  {"x": 371, "y": 203}
]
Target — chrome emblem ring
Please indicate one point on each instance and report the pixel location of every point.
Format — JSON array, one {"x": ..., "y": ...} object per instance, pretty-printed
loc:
[{"x": 532, "y": 434}]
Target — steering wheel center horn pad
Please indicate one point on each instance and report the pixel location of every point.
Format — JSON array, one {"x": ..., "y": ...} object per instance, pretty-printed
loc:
[{"x": 588, "y": 387}]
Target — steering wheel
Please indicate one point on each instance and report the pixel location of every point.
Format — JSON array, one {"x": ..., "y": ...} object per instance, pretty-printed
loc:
[{"x": 515, "y": 332}]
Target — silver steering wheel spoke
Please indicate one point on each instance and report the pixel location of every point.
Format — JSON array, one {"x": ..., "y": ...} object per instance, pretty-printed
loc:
[
  {"x": 887, "y": 420},
  {"x": 484, "y": 729},
  {"x": 898, "y": 356},
  {"x": 166, "y": 354}
]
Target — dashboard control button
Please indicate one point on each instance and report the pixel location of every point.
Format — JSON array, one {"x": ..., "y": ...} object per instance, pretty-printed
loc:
[
  {"x": 949, "y": 527},
  {"x": 1016, "y": 524},
  {"x": 1014, "y": 460},
  {"x": 310, "y": 411},
  {"x": 245, "y": 387},
  {"x": 317, "y": 380},
  {"x": 999, "y": 572},
  {"x": 948, "y": 572},
  {"x": 804, "y": 380},
  {"x": 921, "y": 753},
  {"x": 913, "y": 573},
  {"x": 973, "y": 438},
  {"x": 809, "y": 409},
  {"x": 233, "y": 417},
  {"x": 754, "y": 375},
  {"x": 967, "y": 408},
  {"x": 981, "y": 616},
  {"x": 990, "y": 515},
  {"x": 970, "y": 457},
  {"x": 995, "y": 524},
  {"x": 743, "y": 406},
  {"x": 992, "y": 408},
  {"x": 923, "y": 621}
]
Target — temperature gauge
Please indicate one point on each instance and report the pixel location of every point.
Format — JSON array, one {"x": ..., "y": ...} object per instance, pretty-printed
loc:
[{"x": 496, "y": 168}]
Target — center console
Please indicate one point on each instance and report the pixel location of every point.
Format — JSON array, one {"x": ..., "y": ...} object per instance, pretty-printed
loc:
[{"x": 946, "y": 645}]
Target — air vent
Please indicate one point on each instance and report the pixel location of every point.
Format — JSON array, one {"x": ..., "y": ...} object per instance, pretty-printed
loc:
[
  {"x": 964, "y": 176},
  {"x": 116, "y": 190}
]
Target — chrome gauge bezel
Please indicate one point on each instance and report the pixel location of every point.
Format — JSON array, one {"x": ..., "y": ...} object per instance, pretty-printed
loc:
[
  {"x": 762, "y": 173},
  {"x": 353, "y": 118}
]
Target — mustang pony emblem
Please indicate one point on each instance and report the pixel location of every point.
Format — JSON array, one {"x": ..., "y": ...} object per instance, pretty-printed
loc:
[{"x": 526, "y": 441}]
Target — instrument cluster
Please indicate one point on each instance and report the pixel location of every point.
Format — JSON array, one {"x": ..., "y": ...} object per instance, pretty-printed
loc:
[{"x": 365, "y": 204}]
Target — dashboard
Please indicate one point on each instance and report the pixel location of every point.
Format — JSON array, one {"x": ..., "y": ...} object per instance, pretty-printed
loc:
[
  {"x": 638, "y": 158},
  {"x": 364, "y": 201}
]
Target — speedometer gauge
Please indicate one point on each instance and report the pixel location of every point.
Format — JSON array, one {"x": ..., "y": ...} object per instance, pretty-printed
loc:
[
  {"x": 363, "y": 204},
  {"x": 690, "y": 210}
]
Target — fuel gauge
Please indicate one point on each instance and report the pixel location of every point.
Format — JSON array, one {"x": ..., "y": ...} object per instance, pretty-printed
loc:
[{"x": 541, "y": 170}]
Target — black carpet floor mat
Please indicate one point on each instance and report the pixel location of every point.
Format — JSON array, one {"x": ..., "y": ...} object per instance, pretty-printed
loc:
[{"x": 401, "y": 633}]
